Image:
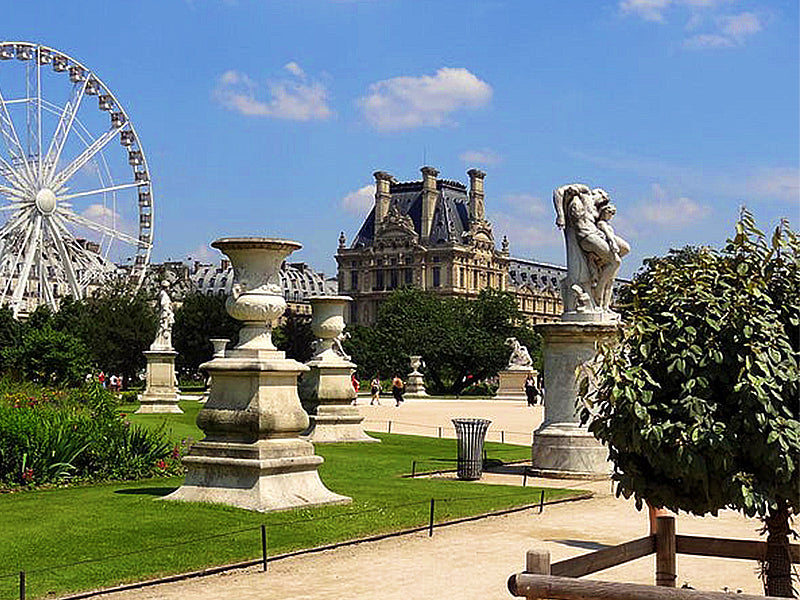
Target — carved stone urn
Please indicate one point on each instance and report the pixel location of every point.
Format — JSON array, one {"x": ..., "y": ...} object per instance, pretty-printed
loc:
[
  {"x": 256, "y": 298},
  {"x": 415, "y": 381},
  {"x": 252, "y": 456},
  {"x": 327, "y": 390}
]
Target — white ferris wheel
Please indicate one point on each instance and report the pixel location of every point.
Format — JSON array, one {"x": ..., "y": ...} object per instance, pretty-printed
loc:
[{"x": 75, "y": 190}]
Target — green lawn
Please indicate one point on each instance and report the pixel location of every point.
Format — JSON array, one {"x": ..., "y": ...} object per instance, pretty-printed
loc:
[{"x": 124, "y": 532}]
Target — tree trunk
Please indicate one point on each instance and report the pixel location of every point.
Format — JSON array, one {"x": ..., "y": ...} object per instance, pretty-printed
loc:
[{"x": 777, "y": 568}]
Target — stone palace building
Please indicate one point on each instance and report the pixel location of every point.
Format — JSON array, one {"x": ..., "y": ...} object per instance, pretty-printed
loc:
[{"x": 433, "y": 234}]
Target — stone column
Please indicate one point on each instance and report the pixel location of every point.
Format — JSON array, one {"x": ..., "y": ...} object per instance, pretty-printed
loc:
[
  {"x": 415, "y": 382},
  {"x": 561, "y": 446},
  {"x": 327, "y": 390},
  {"x": 252, "y": 456}
]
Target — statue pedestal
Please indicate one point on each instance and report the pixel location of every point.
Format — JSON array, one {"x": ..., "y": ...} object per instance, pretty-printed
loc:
[
  {"x": 415, "y": 385},
  {"x": 512, "y": 384},
  {"x": 252, "y": 456},
  {"x": 160, "y": 394},
  {"x": 328, "y": 391},
  {"x": 561, "y": 446}
]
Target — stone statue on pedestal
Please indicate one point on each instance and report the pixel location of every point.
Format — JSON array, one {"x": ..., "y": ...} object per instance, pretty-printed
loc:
[
  {"x": 520, "y": 357},
  {"x": 166, "y": 319},
  {"x": 594, "y": 251},
  {"x": 562, "y": 445}
]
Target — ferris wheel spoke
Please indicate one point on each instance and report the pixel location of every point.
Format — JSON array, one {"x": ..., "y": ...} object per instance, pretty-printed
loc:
[
  {"x": 100, "y": 228},
  {"x": 29, "y": 247},
  {"x": 33, "y": 113},
  {"x": 14, "y": 222},
  {"x": 63, "y": 176},
  {"x": 66, "y": 262},
  {"x": 11, "y": 192},
  {"x": 62, "y": 129},
  {"x": 9, "y": 134},
  {"x": 11, "y": 174},
  {"x": 113, "y": 188}
]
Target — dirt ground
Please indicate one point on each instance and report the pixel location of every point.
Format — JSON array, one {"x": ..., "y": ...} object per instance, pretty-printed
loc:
[{"x": 472, "y": 561}]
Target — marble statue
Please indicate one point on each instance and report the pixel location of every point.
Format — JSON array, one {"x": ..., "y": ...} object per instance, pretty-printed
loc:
[
  {"x": 166, "y": 318},
  {"x": 520, "y": 357},
  {"x": 594, "y": 251}
]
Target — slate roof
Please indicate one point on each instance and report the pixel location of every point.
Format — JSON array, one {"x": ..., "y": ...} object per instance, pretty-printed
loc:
[{"x": 450, "y": 215}]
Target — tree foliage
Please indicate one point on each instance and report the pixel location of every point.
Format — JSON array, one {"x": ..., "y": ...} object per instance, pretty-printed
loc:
[
  {"x": 48, "y": 356},
  {"x": 197, "y": 320},
  {"x": 456, "y": 337},
  {"x": 698, "y": 403}
]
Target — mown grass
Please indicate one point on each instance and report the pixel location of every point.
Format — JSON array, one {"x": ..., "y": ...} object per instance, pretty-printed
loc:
[{"x": 125, "y": 532}]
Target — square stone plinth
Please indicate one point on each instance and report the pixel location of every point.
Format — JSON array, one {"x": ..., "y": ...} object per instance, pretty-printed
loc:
[
  {"x": 512, "y": 384},
  {"x": 160, "y": 394}
]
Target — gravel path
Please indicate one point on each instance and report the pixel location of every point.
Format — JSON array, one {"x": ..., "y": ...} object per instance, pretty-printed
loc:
[{"x": 472, "y": 561}]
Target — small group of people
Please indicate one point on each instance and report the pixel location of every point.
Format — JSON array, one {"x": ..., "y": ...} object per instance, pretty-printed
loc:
[
  {"x": 533, "y": 390},
  {"x": 398, "y": 388},
  {"x": 111, "y": 382}
]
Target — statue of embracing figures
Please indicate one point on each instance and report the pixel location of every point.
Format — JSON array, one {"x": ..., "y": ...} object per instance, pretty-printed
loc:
[{"x": 594, "y": 251}]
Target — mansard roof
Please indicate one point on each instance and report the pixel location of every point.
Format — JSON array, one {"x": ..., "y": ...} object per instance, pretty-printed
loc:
[{"x": 450, "y": 216}]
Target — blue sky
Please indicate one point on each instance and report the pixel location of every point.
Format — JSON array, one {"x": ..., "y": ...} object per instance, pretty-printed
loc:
[{"x": 268, "y": 117}]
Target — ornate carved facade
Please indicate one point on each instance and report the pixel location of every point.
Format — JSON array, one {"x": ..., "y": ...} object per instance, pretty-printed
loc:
[{"x": 433, "y": 235}]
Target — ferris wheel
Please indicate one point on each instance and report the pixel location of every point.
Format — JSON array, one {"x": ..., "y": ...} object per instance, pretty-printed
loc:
[{"x": 75, "y": 191}]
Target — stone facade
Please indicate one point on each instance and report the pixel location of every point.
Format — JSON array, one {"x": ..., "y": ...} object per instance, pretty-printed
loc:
[{"x": 431, "y": 234}]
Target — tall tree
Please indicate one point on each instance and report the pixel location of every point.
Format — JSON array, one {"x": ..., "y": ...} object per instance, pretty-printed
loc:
[
  {"x": 197, "y": 320},
  {"x": 698, "y": 403},
  {"x": 460, "y": 340}
]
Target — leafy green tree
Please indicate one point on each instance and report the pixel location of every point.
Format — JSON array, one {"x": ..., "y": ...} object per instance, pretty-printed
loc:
[
  {"x": 117, "y": 325},
  {"x": 698, "y": 403},
  {"x": 197, "y": 320},
  {"x": 48, "y": 356},
  {"x": 461, "y": 341},
  {"x": 294, "y": 336}
]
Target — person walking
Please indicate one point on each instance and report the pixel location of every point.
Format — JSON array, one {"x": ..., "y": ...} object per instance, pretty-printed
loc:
[
  {"x": 375, "y": 390},
  {"x": 530, "y": 389},
  {"x": 398, "y": 386},
  {"x": 356, "y": 385}
]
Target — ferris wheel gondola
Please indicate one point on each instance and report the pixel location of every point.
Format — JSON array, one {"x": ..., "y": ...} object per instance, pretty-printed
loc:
[{"x": 75, "y": 189}]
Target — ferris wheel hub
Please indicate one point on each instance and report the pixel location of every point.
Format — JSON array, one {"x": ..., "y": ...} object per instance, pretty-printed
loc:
[{"x": 46, "y": 201}]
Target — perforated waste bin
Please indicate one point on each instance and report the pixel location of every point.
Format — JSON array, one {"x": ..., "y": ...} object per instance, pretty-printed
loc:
[{"x": 470, "y": 434}]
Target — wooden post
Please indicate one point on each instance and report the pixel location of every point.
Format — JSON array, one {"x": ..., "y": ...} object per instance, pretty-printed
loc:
[
  {"x": 264, "y": 547},
  {"x": 22, "y": 585},
  {"x": 665, "y": 552},
  {"x": 538, "y": 562}
]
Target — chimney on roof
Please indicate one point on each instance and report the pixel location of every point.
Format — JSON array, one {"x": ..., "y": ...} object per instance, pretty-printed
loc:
[
  {"x": 477, "y": 211},
  {"x": 429, "y": 196},
  {"x": 382, "y": 196}
]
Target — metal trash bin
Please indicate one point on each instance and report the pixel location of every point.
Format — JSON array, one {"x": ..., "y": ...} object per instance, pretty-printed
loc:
[{"x": 470, "y": 434}]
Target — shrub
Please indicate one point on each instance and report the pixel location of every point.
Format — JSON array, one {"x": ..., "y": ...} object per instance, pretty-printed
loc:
[{"x": 53, "y": 437}]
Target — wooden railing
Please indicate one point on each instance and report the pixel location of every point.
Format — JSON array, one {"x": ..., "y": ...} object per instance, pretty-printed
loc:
[{"x": 559, "y": 580}]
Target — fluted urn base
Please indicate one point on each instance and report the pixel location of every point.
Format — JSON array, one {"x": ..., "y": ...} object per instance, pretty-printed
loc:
[
  {"x": 160, "y": 395},
  {"x": 327, "y": 392}
]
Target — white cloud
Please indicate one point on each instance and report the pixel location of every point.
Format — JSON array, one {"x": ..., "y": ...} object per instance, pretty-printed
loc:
[
  {"x": 204, "y": 254},
  {"x": 293, "y": 99},
  {"x": 529, "y": 223},
  {"x": 100, "y": 214},
  {"x": 671, "y": 212},
  {"x": 649, "y": 10},
  {"x": 425, "y": 101},
  {"x": 775, "y": 183},
  {"x": 480, "y": 157},
  {"x": 360, "y": 201},
  {"x": 723, "y": 30}
]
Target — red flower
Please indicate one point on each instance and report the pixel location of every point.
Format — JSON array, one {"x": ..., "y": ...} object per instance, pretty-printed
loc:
[
  {"x": 161, "y": 464},
  {"x": 176, "y": 453},
  {"x": 27, "y": 475}
]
